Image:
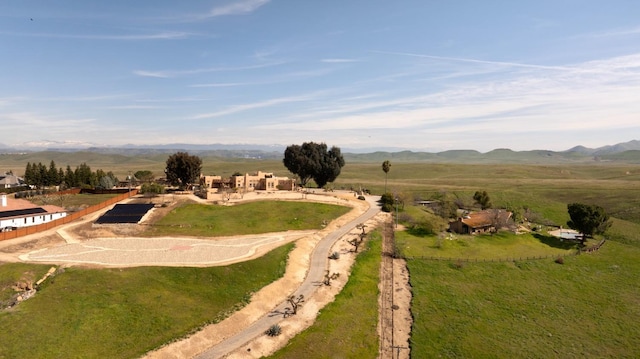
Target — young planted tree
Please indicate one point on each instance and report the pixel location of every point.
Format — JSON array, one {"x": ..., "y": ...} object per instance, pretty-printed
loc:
[
  {"x": 329, "y": 277},
  {"x": 386, "y": 166},
  {"x": 356, "y": 242},
  {"x": 183, "y": 169},
  {"x": 295, "y": 303}
]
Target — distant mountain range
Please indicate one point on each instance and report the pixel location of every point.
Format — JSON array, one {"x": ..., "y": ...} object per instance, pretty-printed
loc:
[{"x": 622, "y": 152}]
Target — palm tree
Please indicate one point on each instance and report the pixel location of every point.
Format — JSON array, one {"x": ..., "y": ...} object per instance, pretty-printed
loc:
[{"x": 386, "y": 166}]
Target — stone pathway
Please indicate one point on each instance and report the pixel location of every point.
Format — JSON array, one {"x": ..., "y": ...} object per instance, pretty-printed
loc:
[{"x": 163, "y": 251}]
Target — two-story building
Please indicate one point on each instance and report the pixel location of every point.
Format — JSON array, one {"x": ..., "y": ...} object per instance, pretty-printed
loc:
[{"x": 264, "y": 181}]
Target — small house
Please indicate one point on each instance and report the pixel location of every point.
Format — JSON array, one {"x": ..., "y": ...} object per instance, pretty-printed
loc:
[
  {"x": 489, "y": 220},
  {"x": 17, "y": 213}
]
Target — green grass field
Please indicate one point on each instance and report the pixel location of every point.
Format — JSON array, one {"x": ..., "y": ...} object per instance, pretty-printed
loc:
[
  {"x": 249, "y": 218},
  {"x": 500, "y": 246},
  {"x": 586, "y": 307},
  {"x": 123, "y": 313}
]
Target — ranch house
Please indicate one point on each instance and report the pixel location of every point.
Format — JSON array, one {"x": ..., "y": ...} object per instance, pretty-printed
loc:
[
  {"x": 17, "y": 213},
  {"x": 489, "y": 220}
]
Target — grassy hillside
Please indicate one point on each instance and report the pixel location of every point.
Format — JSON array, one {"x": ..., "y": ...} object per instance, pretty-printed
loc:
[
  {"x": 123, "y": 313},
  {"x": 586, "y": 307}
]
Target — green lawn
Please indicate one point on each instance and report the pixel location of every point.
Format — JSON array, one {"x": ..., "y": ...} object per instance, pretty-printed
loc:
[
  {"x": 499, "y": 246},
  {"x": 249, "y": 218},
  {"x": 346, "y": 328},
  {"x": 586, "y": 307},
  {"x": 123, "y": 313}
]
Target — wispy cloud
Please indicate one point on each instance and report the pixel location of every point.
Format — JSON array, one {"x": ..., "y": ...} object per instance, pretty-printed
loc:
[
  {"x": 37, "y": 121},
  {"x": 222, "y": 84},
  {"x": 615, "y": 32},
  {"x": 237, "y": 8},
  {"x": 545, "y": 100},
  {"x": 115, "y": 37},
  {"x": 157, "y": 74},
  {"x": 487, "y": 62},
  {"x": 339, "y": 60},
  {"x": 135, "y": 107},
  {"x": 176, "y": 73},
  {"x": 250, "y": 106}
]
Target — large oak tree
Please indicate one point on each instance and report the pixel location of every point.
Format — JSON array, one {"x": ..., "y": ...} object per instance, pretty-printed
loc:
[
  {"x": 313, "y": 161},
  {"x": 183, "y": 169}
]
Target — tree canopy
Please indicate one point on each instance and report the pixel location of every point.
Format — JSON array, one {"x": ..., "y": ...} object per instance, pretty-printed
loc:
[
  {"x": 313, "y": 161},
  {"x": 183, "y": 169},
  {"x": 386, "y": 166},
  {"x": 588, "y": 219},
  {"x": 144, "y": 176},
  {"x": 482, "y": 198}
]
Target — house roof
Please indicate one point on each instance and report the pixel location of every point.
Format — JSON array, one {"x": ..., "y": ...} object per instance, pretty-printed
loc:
[
  {"x": 10, "y": 180},
  {"x": 485, "y": 218},
  {"x": 17, "y": 207}
]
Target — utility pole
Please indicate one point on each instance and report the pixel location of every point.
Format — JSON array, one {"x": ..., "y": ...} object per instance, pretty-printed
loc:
[{"x": 397, "y": 201}]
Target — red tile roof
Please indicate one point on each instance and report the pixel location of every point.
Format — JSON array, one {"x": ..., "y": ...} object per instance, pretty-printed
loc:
[{"x": 485, "y": 218}]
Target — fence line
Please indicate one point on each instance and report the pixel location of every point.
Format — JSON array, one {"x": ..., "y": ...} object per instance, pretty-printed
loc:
[
  {"x": 508, "y": 259},
  {"x": 25, "y": 231}
]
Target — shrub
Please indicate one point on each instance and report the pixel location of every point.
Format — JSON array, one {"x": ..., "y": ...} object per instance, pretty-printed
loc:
[
  {"x": 334, "y": 255},
  {"x": 387, "y": 201},
  {"x": 274, "y": 330},
  {"x": 559, "y": 260},
  {"x": 458, "y": 264}
]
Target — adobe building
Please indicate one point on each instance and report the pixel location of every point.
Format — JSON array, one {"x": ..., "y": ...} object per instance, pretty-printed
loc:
[{"x": 259, "y": 181}]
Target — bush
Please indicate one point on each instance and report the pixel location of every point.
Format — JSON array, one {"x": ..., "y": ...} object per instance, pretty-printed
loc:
[
  {"x": 559, "y": 260},
  {"x": 274, "y": 330},
  {"x": 334, "y": 255},
  {"x": 387, "y": 202}
]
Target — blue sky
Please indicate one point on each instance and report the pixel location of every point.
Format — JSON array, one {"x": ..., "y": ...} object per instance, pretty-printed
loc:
[{"x": 419, "y": 75}]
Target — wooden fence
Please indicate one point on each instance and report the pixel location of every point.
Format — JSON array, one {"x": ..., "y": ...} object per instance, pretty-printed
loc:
[{"x": 25, "y": 231}]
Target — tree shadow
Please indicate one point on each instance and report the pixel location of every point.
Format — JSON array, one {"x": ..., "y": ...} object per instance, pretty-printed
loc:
[
  {"x": 285, "y": 314},
  {"x": 556, "y": 242}
]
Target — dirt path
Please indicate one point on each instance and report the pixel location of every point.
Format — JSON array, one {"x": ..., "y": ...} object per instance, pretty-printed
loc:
[{"x": 395, "y": 301}]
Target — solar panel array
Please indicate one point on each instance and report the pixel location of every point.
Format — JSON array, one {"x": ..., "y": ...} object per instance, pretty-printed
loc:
[
  {"x": 21, "y": 212},
  {"x": 125, "y": 213}
]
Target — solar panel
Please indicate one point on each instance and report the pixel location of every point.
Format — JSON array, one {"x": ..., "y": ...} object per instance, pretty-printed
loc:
[
  {"x": 125, "y": 213},
  {"x": 21, "y": 212}
]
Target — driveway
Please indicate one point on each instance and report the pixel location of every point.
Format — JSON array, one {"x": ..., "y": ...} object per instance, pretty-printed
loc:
[{"x": 318, "y": 266}]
